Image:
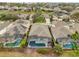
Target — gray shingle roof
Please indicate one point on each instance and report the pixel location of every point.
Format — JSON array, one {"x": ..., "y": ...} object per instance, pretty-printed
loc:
[
  {"x": 60, "y": 31},
  {"x": 15, "y": 29},
  {"x": 4, "y": 24},
  {"x": 74, "y": 27},
  {"x": 40, "y": 30},
  {"x": 59, "y": 23},
  {"x": 19, "y": 26}
]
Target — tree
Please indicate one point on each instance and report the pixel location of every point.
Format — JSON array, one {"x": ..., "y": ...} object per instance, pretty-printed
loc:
[{"x": 75, "y": 37}]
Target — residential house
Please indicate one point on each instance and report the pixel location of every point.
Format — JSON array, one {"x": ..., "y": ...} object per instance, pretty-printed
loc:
[
  {"x": 47, "y": 18},
  {"x": 3, "y": 25},
  {"x": 39, "y": 36},
  {"x": 7, "y": 7},
  {"x": 46, "y": 9},
  {"x": 57, "y": 9},
  {"x": 31, "y": 18},
  {"x": 1, "y": 7},
  {"x": 74, "y": 27},
  {"x": 23, "y": 16},
  {"x": 25, "y": 8},
  {"x": 14, "y": 8},
  {"x": 14, "y": 33},
  {"x": 65, "y": 17},
  {"x": 61, "y": 34}
]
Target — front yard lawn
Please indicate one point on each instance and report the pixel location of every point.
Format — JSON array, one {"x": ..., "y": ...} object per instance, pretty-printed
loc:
[
  {"x": 43, "y": 51},
  {"x": 70, "y": 53}
]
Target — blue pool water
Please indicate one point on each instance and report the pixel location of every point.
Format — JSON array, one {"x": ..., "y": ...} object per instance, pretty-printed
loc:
[
  {"x": 17, "y": 42},
  {"x": 13, "y": 44},
  {"x": 67, "y": 46},
  {"x": 32, "y": 43}
]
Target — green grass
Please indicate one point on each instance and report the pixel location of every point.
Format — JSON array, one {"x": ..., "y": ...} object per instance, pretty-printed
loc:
[
  {"x": 70, "y": 53},
  {"x": 43, "y": 51},
  {"x": 8, "y": 17},
  {"x": 14, "y": 12},
  {"x": 39, "y": 19},
  {"x": 19, "y": 12}
]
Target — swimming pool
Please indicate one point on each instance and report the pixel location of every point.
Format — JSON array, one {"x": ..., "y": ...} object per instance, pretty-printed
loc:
[
  {"x": 14, "y": 44},
  {"x": 32, "y": 43},
  {"x": 67, "y": 46}
]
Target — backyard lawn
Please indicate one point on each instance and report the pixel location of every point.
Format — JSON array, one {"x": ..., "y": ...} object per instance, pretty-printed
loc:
[{"x": 39, "y": 19}]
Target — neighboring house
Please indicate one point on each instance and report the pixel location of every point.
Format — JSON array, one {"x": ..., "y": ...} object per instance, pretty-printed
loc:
[
  {"x": 14, "y": 33},
  {"x": 22, "y": 8},
  {"x": 62, "y": 34},
  {"x": 46, "y": 9},
  {"x": 55, "y": 18},
  {"x": 1, "y": 7},
  {"x": 23, "y": 16},
  {"x": 4, "y": 24},
  {"x": 39, "y": 36},
  {"x": 59, "y": 24},
  {"x": 74, "y": 27},
  {"x": 25, "y": 8},
  {"x": 5, "y": 7},
  {"x": 47, "y": 18},
  {"x": 31, "y": 18},
  {"x": 14, "y": 8},
  {"x": 65, "y": 17},
  {"x": 57, "y": 9}
]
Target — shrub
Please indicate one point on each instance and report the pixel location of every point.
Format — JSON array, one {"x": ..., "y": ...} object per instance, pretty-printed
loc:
[
  {"x": 1, "y": 45},
  {"x": 23, "y": 43},
  {"x": 75, "y": 37}
]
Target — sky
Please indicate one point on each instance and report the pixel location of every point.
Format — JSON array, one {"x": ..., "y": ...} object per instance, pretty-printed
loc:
[{"x": 26, "y": 1}]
